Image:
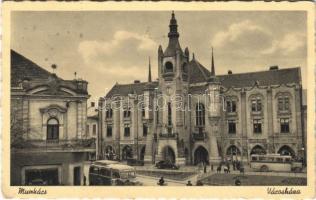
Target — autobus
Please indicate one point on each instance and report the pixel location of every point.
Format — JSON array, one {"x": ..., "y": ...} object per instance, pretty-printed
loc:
[
  {"x": 274, "y": 162},
  {"x": 103, "y": 173}
]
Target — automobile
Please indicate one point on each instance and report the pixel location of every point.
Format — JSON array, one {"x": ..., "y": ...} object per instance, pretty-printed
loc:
[{"x": 166, "y": 165}]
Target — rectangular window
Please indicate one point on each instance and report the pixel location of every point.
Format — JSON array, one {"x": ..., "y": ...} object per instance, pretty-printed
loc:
[
  {"x": 127, "y": 113},
  {"x": 109, "y": 113},
  {"x": 256, "y": 104},
  {"x": 283, "y": 103},
  {"x": 126, "y": 130},
  {"x": 257, "y": 126},
  {"x": 109, "y": 131},
  {"x": 94, "y": 129},
  {"x": 285, "y": 126},
  {"x": 87, "y": 129},
  {"x": 231, "y": 106},
  {"x": 231, "y": 127},
  {"x": 169, "y": 114},
  {"x": 145, "y": 130}
]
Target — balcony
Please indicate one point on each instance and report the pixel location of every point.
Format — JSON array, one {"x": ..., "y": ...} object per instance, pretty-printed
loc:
[
  {"x": 199, "y": 136},
  {"x": 75, "y": 145},
  {"x": 168, "y": 135}
]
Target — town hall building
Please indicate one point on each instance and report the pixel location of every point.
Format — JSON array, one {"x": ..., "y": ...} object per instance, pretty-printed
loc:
[{"x": 192, "y": 115}]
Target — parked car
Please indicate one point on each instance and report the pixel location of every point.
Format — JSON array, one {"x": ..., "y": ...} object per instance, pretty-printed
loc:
[{"x": 166, "y": 165}]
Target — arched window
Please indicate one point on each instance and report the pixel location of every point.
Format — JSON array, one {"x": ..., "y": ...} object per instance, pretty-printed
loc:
[
  {"x": 169, "y": 67},
  {"x": 52, "y": 129},
  {"x": 200, "y": 114}
]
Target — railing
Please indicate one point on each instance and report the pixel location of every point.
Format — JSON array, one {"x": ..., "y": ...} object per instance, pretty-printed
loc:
[
  {"x": 199, "y": 136},
  {"x": 167, "y": 135},
  {"x": 74, "y": 144}
]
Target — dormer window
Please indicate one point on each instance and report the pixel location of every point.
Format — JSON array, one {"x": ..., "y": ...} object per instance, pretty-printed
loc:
[{"x": 169, "y": 67}]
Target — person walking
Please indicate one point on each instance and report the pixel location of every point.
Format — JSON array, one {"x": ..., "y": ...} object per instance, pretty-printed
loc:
[
  {"x": 161, "y": 181},
  {"x": 205, "y": 168},
  {"x": 189, "y": 183}
]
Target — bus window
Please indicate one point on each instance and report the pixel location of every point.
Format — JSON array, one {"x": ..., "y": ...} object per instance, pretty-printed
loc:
[
  {"x": 262, "y": 158},
  {"x": 254, "y": 158},
  {"x": 126, "y": 175},
  {"x": 93, "y": 170},
  {"x": 103, "y": 172},
  {"x": 116, "y": 174},
  {"x": 270, "y": 159},
  {"x": 107, "y": 172},
  {"x": 279, "y": 160},
  {"x": 287, "y": 159}
]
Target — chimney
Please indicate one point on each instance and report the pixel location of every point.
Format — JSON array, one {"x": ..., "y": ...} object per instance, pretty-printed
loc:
[
  {"x": 274, "y": 67},
  {"x": 136, "y": 81},
  {"x": 229, "y": 72}
]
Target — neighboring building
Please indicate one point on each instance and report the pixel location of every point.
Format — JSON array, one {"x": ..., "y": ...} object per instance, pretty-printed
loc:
[
  {"x": 92, "y": 121},
  {"x": 221, "y": 116},
  {"x": 48, "y": 120}
]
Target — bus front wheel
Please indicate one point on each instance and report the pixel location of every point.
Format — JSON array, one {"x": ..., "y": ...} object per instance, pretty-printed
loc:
[{"x": 264, "y": 168}]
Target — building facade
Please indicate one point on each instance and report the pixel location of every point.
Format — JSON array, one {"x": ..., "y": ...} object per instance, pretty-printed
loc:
[
  {"x": 192, "y": 115},
  {"x": 48, "y": 126}
]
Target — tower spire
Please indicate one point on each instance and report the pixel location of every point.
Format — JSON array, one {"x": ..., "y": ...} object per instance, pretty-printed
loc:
[
  {"x": 213, "y": 66},
  {"x": 173, "y": 27},
  {"x": 149, "y": 71}
]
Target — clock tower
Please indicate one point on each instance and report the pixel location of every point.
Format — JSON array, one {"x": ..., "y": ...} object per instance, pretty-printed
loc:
[{"x": 173, "y": 89}]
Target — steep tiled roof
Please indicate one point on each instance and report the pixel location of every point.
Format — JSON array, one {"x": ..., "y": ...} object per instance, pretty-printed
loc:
[
  {"x": 22, "y": 68},
  {"x": 172, "y": 47},
  {"x": 198, "y": 73},
  {"x": 269, "y": 77},
  {"x": 125, "y": 89}
]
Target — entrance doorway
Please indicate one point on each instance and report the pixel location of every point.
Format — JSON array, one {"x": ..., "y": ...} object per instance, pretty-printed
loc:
[
  {"x": 286, "y": 150},
  {"x": 168, "y": 154},
  {"x": 259, "y": 150},
  {"x": 201, "y": 156},
  {"x": 127, "y": 153},
  {"x": 77, "y": 176},
  {"x": 41, "y": 176}
]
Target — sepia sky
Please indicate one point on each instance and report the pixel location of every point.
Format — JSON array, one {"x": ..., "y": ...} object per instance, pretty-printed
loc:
[{"x": 105, "y": 47}]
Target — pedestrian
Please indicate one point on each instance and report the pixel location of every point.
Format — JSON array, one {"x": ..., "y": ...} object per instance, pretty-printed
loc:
[
  {"x": 161, "y": 181},
  {"x": 84, "y": 180},
  {"x": 212, "y": 167},
  {"x": 189, "y": 183},
  {"x": 204, "y": 168},
  {"x": 237, "y": 182},
  {"x": 199, "y": 183}
]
